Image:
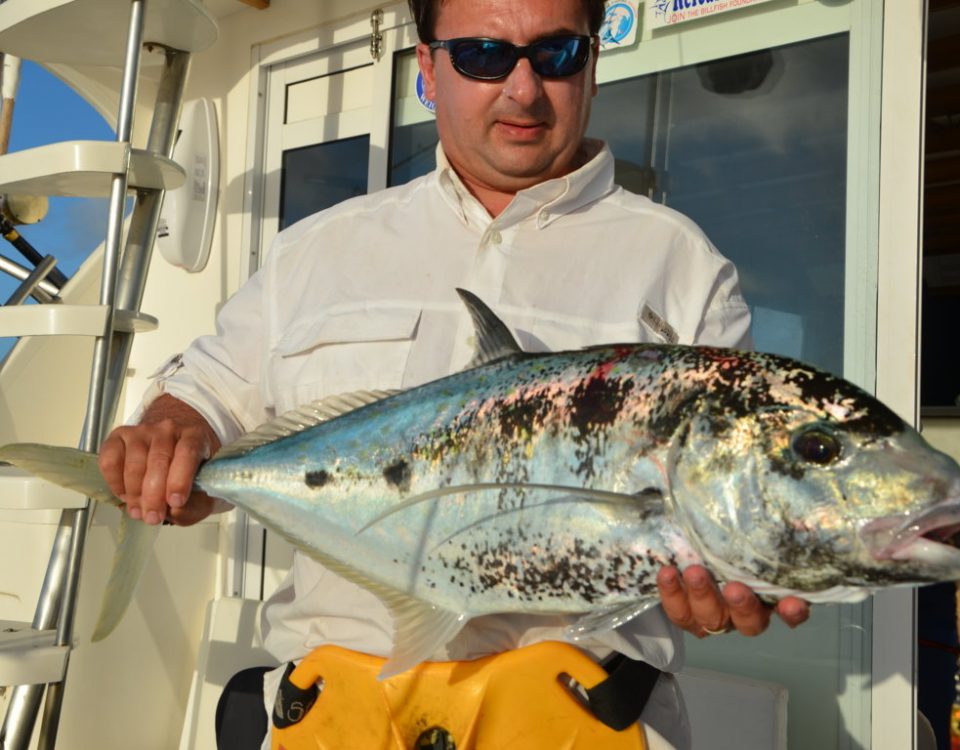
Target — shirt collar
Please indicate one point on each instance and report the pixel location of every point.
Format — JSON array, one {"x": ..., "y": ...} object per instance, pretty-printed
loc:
[{"x": 547, "y": 201}]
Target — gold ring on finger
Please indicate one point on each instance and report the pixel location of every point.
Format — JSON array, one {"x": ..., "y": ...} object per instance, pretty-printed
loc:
[{"x": 721, "y": 631}]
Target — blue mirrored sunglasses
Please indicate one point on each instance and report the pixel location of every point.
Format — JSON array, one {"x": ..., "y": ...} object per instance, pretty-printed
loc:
[{"x": 490, "y": 59}]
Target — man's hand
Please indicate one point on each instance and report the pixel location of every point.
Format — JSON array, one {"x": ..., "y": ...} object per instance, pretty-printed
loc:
[
  {"x": 693, "y": 602},
  {"x": 151, "y": 466}
]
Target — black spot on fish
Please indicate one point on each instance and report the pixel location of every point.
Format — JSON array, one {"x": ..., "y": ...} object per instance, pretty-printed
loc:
[
  {"x": 398, "y": 475},
  {"x": 316, "y": 479},
  {"x": 597, "y": 403},
  {"x": 522, "y": 417}
]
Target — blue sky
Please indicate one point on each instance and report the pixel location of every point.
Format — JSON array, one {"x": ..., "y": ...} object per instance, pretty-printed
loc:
[{"x": 47, "y": 111}]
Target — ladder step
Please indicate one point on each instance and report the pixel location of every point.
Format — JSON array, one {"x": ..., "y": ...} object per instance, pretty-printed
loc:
[
  {"x": 20, "y": 490},
  {"x": 28, "y": 656},
  {"x": 69, "y": 320},
  {"x": 85, "y": 169},
  {"x": 92, "y": 32}
]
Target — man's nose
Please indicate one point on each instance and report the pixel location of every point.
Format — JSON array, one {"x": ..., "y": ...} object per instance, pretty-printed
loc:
[{"x": 523, "y": 84}]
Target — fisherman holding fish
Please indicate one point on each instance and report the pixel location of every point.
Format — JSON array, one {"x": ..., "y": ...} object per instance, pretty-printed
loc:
[{"x": 523, "y": 211}]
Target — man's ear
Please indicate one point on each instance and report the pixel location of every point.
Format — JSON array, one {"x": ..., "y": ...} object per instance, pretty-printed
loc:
[{"x": 425, "y": 60}]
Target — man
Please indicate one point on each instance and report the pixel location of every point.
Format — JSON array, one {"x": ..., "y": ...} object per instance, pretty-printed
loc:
[{"x": 522, "y": 211}]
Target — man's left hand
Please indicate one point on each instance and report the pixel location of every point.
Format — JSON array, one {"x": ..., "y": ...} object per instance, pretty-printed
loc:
[{"x": 693, "y": 602}]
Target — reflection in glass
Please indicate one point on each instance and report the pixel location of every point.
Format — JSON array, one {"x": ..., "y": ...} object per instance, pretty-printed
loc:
[
  {"x": 319, "y": 176},
  {"x": 413, "y": 137},
  {"x": 412, "y": 151},
  {"x": 752, "y": 148}
]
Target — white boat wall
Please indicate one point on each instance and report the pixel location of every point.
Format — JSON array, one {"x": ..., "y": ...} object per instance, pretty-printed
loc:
[{"x": 134, "y": 688}]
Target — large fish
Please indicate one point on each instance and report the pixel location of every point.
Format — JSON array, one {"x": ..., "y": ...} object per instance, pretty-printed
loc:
[{"x": 561, "y": 483}]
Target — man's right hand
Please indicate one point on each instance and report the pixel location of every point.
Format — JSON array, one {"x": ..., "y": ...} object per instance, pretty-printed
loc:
[{"x": 151, "y": 466}]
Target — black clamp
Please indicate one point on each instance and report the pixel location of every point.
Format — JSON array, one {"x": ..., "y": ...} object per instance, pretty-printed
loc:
[{"x": 292, "y": 703}]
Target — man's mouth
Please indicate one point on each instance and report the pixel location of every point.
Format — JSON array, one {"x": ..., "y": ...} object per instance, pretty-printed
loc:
[{"x": 520, "y": 129}]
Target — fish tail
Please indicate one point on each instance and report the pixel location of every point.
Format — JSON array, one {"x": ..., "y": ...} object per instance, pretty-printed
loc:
[
  {"x": 77, "y": 470},
  {"x": 67, "y": 467}
]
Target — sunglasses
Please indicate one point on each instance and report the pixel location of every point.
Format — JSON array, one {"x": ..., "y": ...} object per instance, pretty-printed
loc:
[{"x": 492, "y": 59}]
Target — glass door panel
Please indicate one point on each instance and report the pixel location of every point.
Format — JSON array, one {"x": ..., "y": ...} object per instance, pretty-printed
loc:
[
  {"x": 319, "y": 176},
  {"x": 413, "y": 130},
  {"x": 318, "y": 134},
  {"x": 752, "y": 148}
]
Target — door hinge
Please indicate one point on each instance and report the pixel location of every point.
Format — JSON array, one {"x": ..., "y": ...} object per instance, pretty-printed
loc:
[{"x": 376, "y": 38}]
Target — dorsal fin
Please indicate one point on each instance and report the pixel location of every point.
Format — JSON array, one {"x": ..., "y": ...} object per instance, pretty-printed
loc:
[
  {"x": 494, "y": 340},
  {"x": 301, "y": 418}
]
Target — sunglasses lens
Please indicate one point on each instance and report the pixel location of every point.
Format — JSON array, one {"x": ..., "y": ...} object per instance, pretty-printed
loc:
[
  {"x": 483, "y": 58},
  {"x": 490, "y": 59},
  {"x": 560, "y": 56}
]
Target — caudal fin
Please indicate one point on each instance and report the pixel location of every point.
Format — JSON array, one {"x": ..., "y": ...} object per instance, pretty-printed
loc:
[
  {"x": 68, "y": 467},
  {"x": 77, "y": 470}
]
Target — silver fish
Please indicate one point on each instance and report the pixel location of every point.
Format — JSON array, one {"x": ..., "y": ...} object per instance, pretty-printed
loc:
[{"x": 560, "y": 483}]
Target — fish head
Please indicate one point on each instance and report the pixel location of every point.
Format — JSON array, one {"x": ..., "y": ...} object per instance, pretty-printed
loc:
[{"x": 814, "y": 484}]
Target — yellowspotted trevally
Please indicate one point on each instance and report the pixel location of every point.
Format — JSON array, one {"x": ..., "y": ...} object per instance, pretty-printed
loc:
[{"x": 560, "y": 483}]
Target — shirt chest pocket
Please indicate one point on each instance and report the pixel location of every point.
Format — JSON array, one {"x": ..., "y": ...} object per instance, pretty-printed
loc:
[{"x": 360, "y": 349}]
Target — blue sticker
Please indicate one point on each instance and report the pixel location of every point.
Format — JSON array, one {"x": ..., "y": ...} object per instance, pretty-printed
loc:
[
  {"x": 617, "y": 23},
  {"x": 430, "y": 104}
]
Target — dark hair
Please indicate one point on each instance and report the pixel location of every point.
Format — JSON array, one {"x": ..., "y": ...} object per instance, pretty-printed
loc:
[{"x": 425, "y": 16}]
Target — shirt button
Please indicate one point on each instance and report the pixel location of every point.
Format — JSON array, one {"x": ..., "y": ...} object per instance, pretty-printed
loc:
[
  {"x": 496, "y": 237},
  {"x": 544, "y": 215}
]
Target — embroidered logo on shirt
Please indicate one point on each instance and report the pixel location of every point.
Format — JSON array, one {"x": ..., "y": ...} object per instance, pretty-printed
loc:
[{"x": 658, "y": 325}]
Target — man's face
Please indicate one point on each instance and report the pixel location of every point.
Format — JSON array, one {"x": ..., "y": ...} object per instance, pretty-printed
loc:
[{"x": 514, "y": 132}]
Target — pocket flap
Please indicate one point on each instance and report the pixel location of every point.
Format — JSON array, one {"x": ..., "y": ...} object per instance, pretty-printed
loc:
[{"x": 351, "y": 326}]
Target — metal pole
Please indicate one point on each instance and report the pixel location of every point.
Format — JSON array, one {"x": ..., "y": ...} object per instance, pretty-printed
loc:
[
  {"x": 28, "y": 251},
  {"x": 21, "y": 273},
  {"x": 143, "y": 225},
  {"x": 30, "y": 285},
  {"x": 58, "y": 593},
  {"x": 93, "y": 427},
  {"x": 9, "y": 80}
]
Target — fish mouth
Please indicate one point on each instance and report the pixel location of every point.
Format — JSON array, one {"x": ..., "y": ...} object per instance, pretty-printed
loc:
[{"x": 931, "y": 537}]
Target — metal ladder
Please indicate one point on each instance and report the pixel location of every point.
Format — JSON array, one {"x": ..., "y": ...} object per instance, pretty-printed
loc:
[{"x": 42, "y": 647}]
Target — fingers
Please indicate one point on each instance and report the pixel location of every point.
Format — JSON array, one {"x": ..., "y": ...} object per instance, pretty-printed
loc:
[
  {"x": 111, "y": 461},
  {"x": 793, "y": 611},
  {"x": 151, "y": 468},
  {"x": 191, "y": 451},
  {"x": 693, "y": 603},
  {"x": 748, "y": 615}
]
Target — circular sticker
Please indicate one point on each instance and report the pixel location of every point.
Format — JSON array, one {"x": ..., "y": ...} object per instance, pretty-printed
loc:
[
  {"x": 430, "y": 104},
  {"x": 617, "y": 23}
]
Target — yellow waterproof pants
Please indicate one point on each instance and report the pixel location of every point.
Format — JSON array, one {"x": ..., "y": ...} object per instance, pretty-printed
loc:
[{"x": 510, "y": 701}]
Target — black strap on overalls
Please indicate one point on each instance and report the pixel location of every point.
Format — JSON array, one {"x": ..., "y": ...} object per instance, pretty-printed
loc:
[{"x": 619, "y": 700}]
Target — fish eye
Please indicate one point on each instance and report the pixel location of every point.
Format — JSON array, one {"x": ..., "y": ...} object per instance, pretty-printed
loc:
[{"x": 817, "y": 446}]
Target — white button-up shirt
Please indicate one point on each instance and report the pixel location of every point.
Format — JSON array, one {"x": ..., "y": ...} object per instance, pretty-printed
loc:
[{"x": 361, "y": 296}]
